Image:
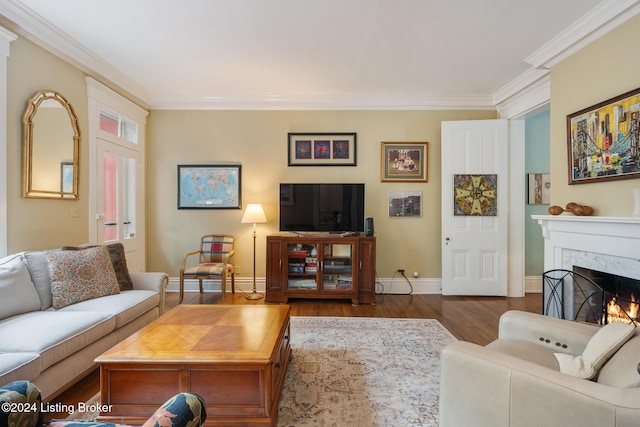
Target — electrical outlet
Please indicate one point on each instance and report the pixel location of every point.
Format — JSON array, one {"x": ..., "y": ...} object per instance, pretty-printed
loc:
[
  {"x": 401, "y": 270},
  {"x": 236, "y": 270}
]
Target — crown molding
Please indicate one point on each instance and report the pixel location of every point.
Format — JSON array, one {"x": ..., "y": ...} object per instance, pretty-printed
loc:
[
  {"x": 527, "y": 101},
  {"x": 603, "y": 18},
  {"x": 324, "y": 102},
  {"x": 30, "y": 25},
  {"x": 600, "y": 20}
]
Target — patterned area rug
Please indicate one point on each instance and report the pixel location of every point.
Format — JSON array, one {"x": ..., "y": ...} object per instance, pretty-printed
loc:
[
  {"x": 354, "y": 371},
  {"x": 350, "y": 371}
]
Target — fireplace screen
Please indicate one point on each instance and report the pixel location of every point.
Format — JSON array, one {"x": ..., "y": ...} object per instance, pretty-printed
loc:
[{"x": 600, "y": 298}]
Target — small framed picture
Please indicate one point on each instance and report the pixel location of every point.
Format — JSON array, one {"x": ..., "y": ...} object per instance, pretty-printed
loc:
[
  {"x": 209, "y": 187},
  {"x": 539, "y": 188},
  {"x": 404, "y": 204},
  {"x": 322, "y": 149},
  {"x": 403, "y": 162}
]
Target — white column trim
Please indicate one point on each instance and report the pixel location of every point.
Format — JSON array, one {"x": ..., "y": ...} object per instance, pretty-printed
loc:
[{"x": 6, "y": 37}]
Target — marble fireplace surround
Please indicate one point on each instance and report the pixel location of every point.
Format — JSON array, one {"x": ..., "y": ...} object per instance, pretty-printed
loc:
[{"x": 608, "y": 244}]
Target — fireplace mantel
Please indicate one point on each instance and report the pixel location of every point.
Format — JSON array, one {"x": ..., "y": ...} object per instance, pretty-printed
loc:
[{"x": 612, "y": 242}]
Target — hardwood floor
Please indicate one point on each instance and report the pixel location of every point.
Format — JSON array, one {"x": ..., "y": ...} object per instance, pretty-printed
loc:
[{"x": 473, "y": 319}]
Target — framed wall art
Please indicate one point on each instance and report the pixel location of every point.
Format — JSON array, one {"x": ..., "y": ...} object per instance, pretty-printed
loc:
[
  {"x": 209, "y": 186},
  {"x": 322, "y": 149},
  {"x": 405, "y": 204},
  {"x": 603, "y": 141},
  {"x": 539, "y": 188},
  {"x": 475, "y": 195},
  {"x": 403, "y": 162}
]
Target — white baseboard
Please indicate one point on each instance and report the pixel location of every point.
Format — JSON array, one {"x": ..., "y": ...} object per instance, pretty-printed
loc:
[
  {"x": 395, "y": 285},
  {"x": 243, "y": 284},
  {"x": 398, "y": 285},
  {"x": 388, "y": 285},
  {"x": 533, "y": 284}
]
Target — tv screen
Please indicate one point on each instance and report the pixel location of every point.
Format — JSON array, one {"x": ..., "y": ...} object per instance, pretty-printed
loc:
[{"x": 337, "y": 208}]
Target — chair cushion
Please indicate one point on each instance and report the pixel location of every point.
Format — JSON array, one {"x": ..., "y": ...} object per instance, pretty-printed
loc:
[
  {"x": 54, "y": 335},
  {"x": 17, "y": 366},
  {"x": 207, "y": 269},
  {"x": 125, "y": 306},
  {"x": 526, "y": 350},
  {"x": 598, "y": 350},
  {"x": 214, "y": 248},
  {"x": 79, "y": 275},
  {"x": 17, "y": 292},
  {"x": 622, "y": 369}
]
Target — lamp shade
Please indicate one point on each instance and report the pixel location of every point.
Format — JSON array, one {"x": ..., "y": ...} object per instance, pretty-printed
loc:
[{"x": 253, "y": 214}]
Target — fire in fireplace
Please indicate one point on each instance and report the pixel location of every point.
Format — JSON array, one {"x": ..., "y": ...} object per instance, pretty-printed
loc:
[{"x": 591, "y": 296}]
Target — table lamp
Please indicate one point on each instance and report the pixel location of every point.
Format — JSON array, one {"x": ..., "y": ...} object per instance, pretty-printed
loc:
[{"x": 254, "y": 214}]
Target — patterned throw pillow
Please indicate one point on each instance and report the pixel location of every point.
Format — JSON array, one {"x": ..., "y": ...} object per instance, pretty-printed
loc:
[
  {"x": 80, "y": 275},
  {"x": 118, "y": 260}
]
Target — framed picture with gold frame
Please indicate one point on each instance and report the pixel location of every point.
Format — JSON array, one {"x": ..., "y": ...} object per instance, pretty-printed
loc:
[{"x": 404, "y": 161}]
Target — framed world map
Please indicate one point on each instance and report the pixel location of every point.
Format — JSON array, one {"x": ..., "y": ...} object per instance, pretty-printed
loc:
[{"x": 209, "y": 187}]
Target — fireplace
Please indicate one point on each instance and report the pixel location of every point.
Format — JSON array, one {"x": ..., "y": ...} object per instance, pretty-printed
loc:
[
  {"x": 601, "y": 258},
  {"x": 591, "y": 296}
]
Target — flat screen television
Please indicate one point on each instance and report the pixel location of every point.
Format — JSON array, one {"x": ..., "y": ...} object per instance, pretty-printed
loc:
[{"x": 335, "y": 208}]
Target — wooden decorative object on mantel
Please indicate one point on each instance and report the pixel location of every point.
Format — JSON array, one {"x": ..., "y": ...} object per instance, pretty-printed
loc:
[{"x": 572, "y": 207}]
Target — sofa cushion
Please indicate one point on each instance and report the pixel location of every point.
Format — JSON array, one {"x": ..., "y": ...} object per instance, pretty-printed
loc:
[
  {"x": 622, "y": 369},
  {"x": 598, "y": 350},
  {"x": 17, "y": 292},
  {"x": 118, "y": 261},
  {"x": 526, "y": 350},
  {"x": 19, "y": 366},
  {"x": 37, "y": 264},
  {"x": 125, "y": 306},
  {"x": 80, "y": 275},
  {"x": 52, "y": 334}
]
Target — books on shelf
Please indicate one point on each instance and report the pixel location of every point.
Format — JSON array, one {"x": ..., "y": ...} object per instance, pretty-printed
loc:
[{"x": 302, "y": 284}]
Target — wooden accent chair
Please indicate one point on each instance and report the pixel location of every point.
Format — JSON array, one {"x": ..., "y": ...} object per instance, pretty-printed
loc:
[{"x": 215, "y": 261}]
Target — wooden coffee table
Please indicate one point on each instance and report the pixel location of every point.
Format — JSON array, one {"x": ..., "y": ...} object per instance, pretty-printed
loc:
[{"x": 234, "y": 356}]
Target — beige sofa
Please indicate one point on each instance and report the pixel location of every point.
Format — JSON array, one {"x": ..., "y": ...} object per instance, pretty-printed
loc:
[
  {"x": 48, "y": 337},
  {"x": 516, "y": 380}
]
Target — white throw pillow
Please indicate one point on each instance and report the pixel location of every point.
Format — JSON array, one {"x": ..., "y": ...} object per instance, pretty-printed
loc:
[
  {"x": 598, "y": 350},
  {"x": 17, "y": 293}
]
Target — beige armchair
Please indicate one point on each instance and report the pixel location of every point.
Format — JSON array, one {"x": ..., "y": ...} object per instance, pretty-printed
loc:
[{"x": 516, "y": 380}]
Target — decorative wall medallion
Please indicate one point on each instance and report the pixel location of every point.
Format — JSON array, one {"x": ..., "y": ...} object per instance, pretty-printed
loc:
[{"x": 475, "y": 195}]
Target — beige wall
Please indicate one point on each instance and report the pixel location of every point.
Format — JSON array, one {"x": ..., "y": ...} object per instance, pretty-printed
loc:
[
  {"x": 606, "y": 68},
  {"x": 38, "y": 223},
  {"x": 258, "y": 140}
]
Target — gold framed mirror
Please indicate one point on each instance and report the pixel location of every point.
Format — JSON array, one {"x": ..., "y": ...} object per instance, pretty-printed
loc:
[{"x": 50, "y": 148}]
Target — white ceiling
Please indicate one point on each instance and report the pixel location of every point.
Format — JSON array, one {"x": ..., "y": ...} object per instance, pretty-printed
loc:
[{"x": 288, "y": 53}]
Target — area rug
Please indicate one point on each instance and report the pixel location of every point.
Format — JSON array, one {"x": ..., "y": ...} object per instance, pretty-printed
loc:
[
  {"x": 354, "y": 371},
  {"x": 350, "y": 371}
]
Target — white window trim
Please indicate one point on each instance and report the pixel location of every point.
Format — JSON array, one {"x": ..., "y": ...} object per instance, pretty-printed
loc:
[{"x": 100, "y": 96}]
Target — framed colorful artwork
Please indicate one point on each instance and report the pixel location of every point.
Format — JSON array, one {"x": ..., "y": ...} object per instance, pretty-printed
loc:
[
  {"x": 322, "y": 149},
  {"x": 475, "y": 195},
  {"x": 403, "y": 162},
  {"x": 603, "y": 141},
  {"x": 209, "y": 187}
]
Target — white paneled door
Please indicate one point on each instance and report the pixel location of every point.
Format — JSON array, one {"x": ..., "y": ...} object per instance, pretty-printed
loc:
[{"x": 475, "y": 205}]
